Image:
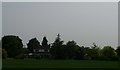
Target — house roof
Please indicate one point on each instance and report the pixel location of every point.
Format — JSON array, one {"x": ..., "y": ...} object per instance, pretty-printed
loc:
[{"x": 42, "y": 47}]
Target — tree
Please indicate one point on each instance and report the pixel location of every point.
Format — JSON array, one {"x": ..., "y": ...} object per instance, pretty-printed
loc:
[
  {"x": 108, "y": 52},
  {"x": 0, "y": 49},
  {"x": 72, "y": 49},
  {"x": 81, "y": 53},
  {"x": 87, "y": 53},
  {"x": 12, "y": 44},
  {"x": 0, "y": 43},
  {"x": 95, "y": 51},
  {"x": 58, "y": 41},
  {"x": 57, "y": 48},
  {"x": 118, "y": 51},
  {"x": 32, "y": 44},
  {"x": 44, "y": 41}
]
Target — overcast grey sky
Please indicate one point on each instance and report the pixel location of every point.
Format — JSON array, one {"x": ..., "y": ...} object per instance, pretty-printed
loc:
[
  {"x": 60, "y": 0},
  {"x": 84, "y": 22},
  {"x": 0, "y": 20}
]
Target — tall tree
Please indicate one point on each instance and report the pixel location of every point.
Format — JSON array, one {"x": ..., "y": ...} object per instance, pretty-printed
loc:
[
  {"x": 81, "y": 53},
  {"x": 108, "y": 52},
  {"x": 87, "y": 53},
  {"x": 0, "y": 43},
  {"x": 57, "y": 48},
  {"x": 44, "y": 41},
  {"x": 58, "y": 40},
  {"x": 12, "y": 44},
  {"x": 33, "y": 43},
  {"x": 72, "y": 49},
  {"x": 94, "y": 52},
  {"x": 118, "y": 51}
]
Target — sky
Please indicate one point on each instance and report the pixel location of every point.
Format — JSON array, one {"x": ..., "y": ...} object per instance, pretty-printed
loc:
[
  {"x": 83, "y": 22},
  {"x": 0, "y": 20},
  {"x": 0, "y": 32},
  {"x": 59, "y": 0},
  {"x": 118, "y": 23}
]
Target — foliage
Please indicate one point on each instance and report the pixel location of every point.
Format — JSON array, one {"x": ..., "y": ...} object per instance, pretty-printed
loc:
[
  {"x": 0, "y": 43},
  {"x": 20, "y": 56},
  {"x": 44, "y": 42},
  {"x": 118, "y": 51},
  {"x": 12, "y": 44},
  {"x": 94, "y": 52},
  {"x": 25, "y": 51},
  {"x": 57, "y": 48},
  {"x": 71, "y": 49},
  {"x": 108, "y": 52},
  {"x": 4, "y": 54},
  {"x": 32, "y": 44},
  {"x": 80, "y": 53},
  {"x": 13, "y": 48},
  {"x": 87, "y": 53}
]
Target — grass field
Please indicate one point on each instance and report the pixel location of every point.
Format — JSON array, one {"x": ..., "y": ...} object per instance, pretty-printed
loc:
[{"x": 33, "y": 63}]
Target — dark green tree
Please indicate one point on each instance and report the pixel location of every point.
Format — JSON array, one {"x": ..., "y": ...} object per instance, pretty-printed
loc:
[
  {"x": 58, "y": 41},
  {"x": 33, "y": 43},
  {"x": 44, "y": 41},
  {"x": 95, "y": 51},
  {"x": 57, "y": 48},
  {"x": 81, "y": 53},
  {"x": 108, "y": 52},
  {"x": 0, "y": 44},
  {"x": 12, "y": 44},
  {"x": 87, "y": 53},
  {"x": 118, "y": 51},
  {"x": 72, "y": 50}
]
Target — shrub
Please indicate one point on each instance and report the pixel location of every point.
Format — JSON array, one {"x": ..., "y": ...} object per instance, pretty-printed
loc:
[
  {"x": 20, "y": 56},
  {"x": 4, "y": 54}
]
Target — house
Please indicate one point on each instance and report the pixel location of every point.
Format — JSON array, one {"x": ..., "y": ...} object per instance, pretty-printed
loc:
[
  {"x": 42, "y": 51},
  {"x": 39, "y": 52}
]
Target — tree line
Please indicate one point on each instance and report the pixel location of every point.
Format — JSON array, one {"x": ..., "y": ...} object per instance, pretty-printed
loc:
[{"x": 12, "y": 47}]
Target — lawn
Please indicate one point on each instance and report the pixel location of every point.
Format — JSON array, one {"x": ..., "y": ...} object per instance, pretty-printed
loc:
[{"x": 34, "y": 63}]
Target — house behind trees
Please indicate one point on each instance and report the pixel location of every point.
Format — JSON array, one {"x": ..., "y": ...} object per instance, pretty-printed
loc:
[
  {"x": 42, "y": 51},
  {"x": 37, "y": 50}
]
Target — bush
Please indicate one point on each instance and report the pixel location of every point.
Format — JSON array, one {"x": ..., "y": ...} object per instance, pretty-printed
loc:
[
  {"x": 4, "y": 54},
  {"x": 20, "y": 56},
  {"x": 37, "y": 57}
]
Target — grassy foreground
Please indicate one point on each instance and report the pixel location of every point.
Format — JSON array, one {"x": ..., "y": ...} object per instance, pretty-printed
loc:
[{"x": 33, "y": 63}]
